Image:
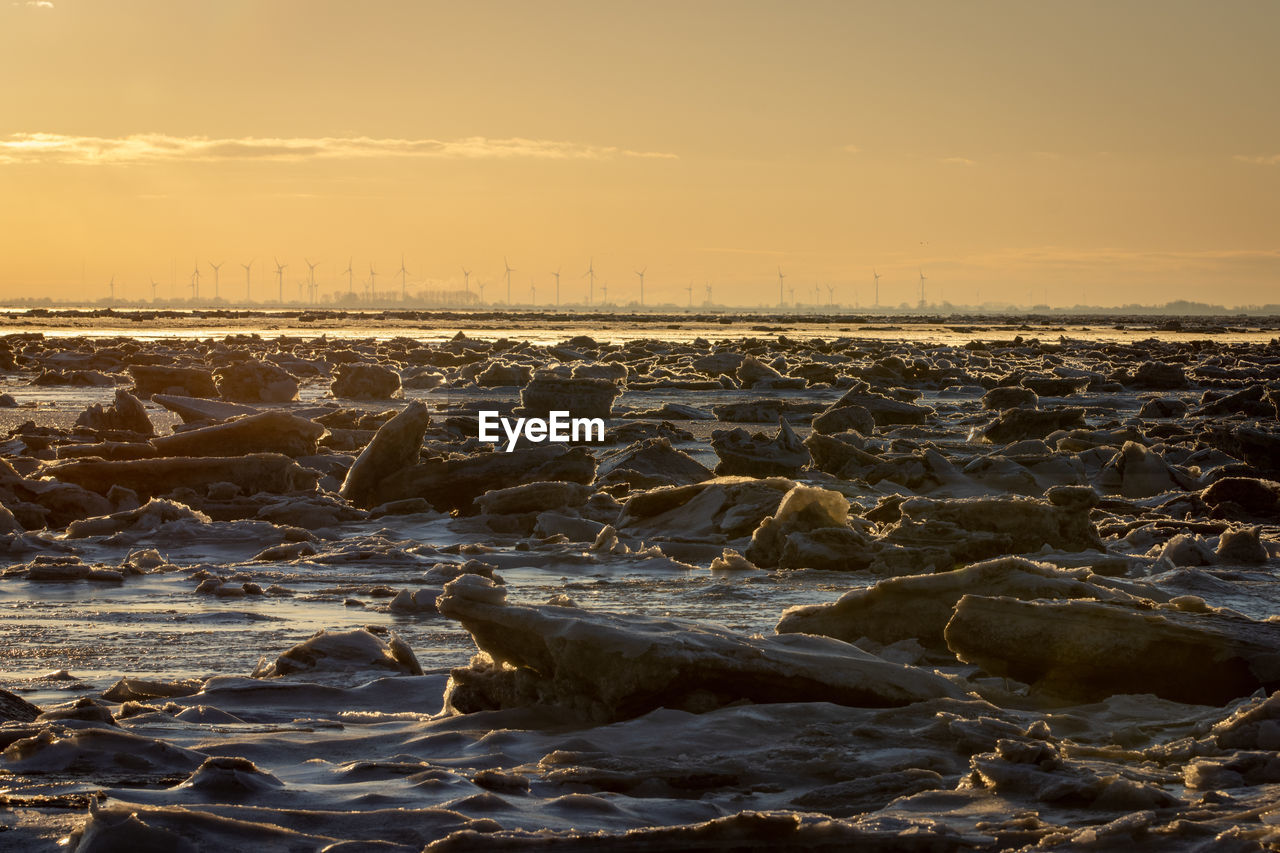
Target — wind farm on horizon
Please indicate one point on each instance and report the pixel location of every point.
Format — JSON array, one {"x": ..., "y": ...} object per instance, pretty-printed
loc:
[
  {"x": 267, "y": 286},
  {"x": 348, "y": 290}
]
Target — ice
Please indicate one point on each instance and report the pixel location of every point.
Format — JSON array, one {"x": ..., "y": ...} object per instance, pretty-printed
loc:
[
  {"x": 67, "y": 568},
  {"x": 135, "y": 689},
  {"x": 343, "y": 651},
  {"x": 37, "y": 503},
  {"x": 609, "y": 666},
  {"x": 1036, "y": 770},
  {"x": 1243, "y": 545},
  {"x": 1010, "y": 397},
  {"x": 745, "y": 831},
  {"x": 500, "y": 373},
  {"x": 886, "y": 411},
  {"x": 534, "y": 497},
  {"x": 195, "y": 410},
  {"x": 126, "y": 414},
  {"x": 648, "y": 464},
  {"x": 365, "y": 382},
  {"x": 1017, "y": 424},
  {"x": 14, "y": 708},
  {"x": 630, "y": 691},
  {"x": 181, "y": 381},
  {"x": 396, "y": 445},
  {"x": 252, "y": 473},
  {"x": 152, "y": 515},
  {"x": 842, "y": 455},
  {"x": 847, "y": 418},
  {"x": 767, "y": 410},
  {"x": 760, "y": 455},
  {"x": 1144, "y": 473},
  {"x": 971, "y": 529},
  {"x": 1159, "y": 374},
  {"x": 1163, "y": 407},
  {"x": 310, "y": 512},
  {"x": 253, "y": 381},
  {"x": 809, "y": 530},
  {"x": 96, "y": 750},
  {"x": 581, "y": 397},
  {"x": 1090, "y": 649},
  {"x": 720, "y": 507},
  {"x": 388, "y": 469},
  {"x": 267, "y": 432},
  {"x": 1256, "y": 444},
  {"x": 1243, "y": 498},
  {"x": 918, "y": 607}
]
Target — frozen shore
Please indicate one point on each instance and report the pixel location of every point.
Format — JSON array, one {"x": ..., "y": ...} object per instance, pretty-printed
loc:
[{"x": 951, "y": 588}]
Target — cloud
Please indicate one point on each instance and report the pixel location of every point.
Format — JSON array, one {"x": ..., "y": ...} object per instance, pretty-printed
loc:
[
  {"x": 145, "y": 148},
  {"x": 38, "y": 4},
  {"x": 851, "y": 149},
  {"x": 958, "y": 161},
  {"x": 1260, "y": 160}
]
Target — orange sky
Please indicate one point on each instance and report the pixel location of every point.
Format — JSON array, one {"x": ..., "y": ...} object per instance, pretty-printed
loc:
[{"x": 1109, "y": 152}]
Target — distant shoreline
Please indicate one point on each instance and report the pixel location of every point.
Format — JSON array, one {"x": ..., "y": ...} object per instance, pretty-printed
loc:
[
  {"x": 548, "y": 327},
  {"x": 724, "y": 316}
]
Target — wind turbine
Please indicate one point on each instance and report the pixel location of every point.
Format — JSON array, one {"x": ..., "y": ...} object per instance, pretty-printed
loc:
[
  {"x": 792, "y": 291},
  {"x": 280, "y": 268},
  {"x": 311, "y": 279},
  {"x": 215, "y": 268},
  {"x": 640, "y": 272},
  {"x": 373, "y": 281},
  {"x": 112, "y": 284},
  {"x": 781, "y": 278},
  {"x": 247, "y": 290},
  {"x": 195, "y": 281},
  {"x": 403, "y": 273},
  {"x": 466, "y": 282},
  {"x": 153, "y": 289},
  {"x": 817, "y": 293},
  {"x": 351, "y": 279},
  {"x": 690, "y": 290},
  {"x": 591, "y": 275},
  {"x": 480, "y": 287},
  {"x": 510, "y": 270},
  {"x": 708, "y": 289},
  {"x": 922, "y": 281},
  {"x": 557, "y": 275},
  {"x": 876, "y": 273},
  {"x": 831, "y": 295},
  {"x": 604, "y": 290},
  {"x": 533, "y": 292}
]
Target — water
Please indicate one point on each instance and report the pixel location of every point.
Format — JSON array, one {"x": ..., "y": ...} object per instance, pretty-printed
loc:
[{"x": 554, "y": 327}]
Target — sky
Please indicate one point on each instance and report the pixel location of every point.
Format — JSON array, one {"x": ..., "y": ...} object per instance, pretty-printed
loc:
[{"x": 1030, "y": 152}]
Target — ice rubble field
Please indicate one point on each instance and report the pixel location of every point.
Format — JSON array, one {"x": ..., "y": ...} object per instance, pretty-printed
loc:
[{"x": 816, "y": 592}]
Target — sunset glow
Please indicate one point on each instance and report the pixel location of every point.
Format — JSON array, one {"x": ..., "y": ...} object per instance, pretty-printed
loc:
[{"x": 1062, "y": 153}]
